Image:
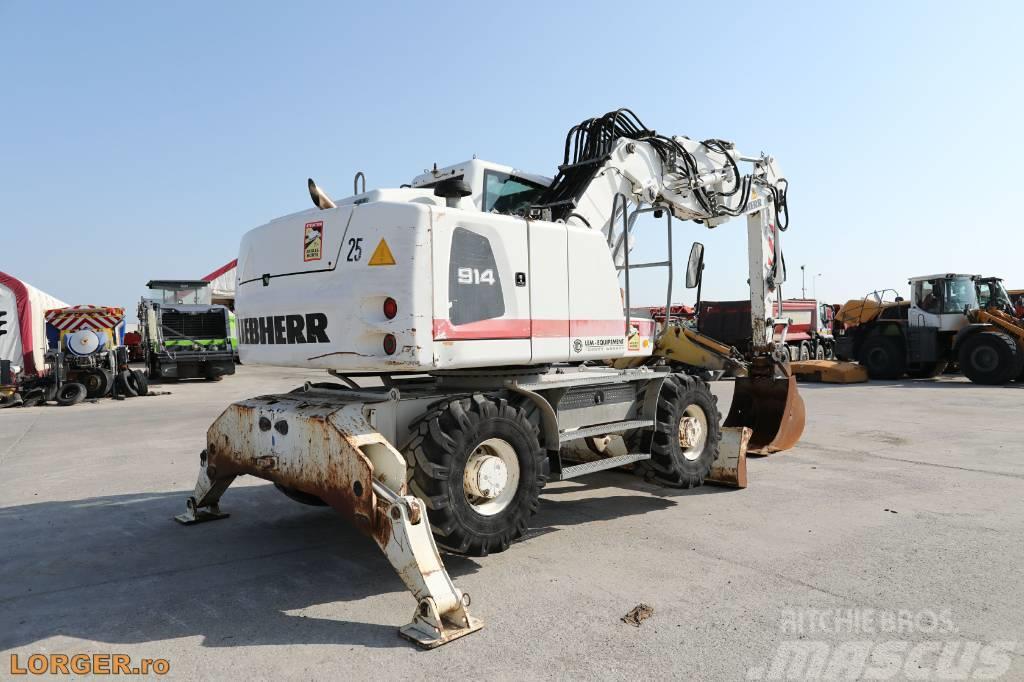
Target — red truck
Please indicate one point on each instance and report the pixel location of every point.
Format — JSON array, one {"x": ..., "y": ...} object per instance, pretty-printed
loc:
[{"x": 808, "y": 335}]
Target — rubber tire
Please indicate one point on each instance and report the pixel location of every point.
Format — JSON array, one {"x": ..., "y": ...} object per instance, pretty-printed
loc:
[
  {"x": 830, "y": 352},
  {"x": 124, "y": 385},
  {"x": 71, "y": 393},
  {"x": 819, "y": 351},
  {"x": 805, "y": 351},
  {"x": 883, "y": 357},
  {"x": 138, "y": 381},
  {"x": 34, "y": 397},
  {"x": 1010, "y": 359},
  {"x": 102, "y": 384},
  {"x": 13, "y": 400},
  {"x": 667, "y": 463},
  {"x": 443, "y": 440},
  {"x": 927, "y": 370},
  {"x": 300, "y": 497}
]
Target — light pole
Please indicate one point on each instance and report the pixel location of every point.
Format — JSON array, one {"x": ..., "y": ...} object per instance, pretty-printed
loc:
[{"x": 803, "y": 283}]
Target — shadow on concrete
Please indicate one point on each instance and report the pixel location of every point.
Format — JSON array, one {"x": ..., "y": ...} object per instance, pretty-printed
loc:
[
  {"x": 936, "y": 384},
  {"x": 119, "y": 570}
]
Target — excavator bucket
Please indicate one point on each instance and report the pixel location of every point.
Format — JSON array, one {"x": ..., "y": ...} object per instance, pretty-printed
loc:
[{"x": 770, "y": 405}]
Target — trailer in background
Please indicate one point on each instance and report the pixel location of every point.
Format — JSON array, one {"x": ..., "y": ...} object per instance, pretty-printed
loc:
[{"x": 805, "y": 326}]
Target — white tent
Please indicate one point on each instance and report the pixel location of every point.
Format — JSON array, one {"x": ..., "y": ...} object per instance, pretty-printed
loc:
[
  {"x": 222, "y": 283},
  {"x": 23, "y": 307}
]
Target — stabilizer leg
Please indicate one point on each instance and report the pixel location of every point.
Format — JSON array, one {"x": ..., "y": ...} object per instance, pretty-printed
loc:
[
  {"x": 204, "y": 503},
  {"x": 442, "y": 612}
]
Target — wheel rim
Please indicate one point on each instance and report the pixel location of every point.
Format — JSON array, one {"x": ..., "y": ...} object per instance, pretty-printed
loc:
[
  {"x": 491, "y": 477},
  {"x": 985, "y": 359},
  {"x": 693, "y": 432},
  {"x": 92, "y": 382}
]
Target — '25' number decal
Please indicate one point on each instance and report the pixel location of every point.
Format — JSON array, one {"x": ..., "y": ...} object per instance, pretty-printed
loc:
[{"x": 355, "y": 249}]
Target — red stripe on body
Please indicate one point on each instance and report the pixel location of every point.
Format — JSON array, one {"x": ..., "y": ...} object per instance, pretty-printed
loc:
[{"x": 444, "y": 330}]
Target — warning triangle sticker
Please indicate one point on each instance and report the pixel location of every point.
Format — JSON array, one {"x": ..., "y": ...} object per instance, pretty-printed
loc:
[{"x": 382, "y": 255}]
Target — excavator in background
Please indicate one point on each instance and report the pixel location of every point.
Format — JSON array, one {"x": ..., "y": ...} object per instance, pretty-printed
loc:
[
  {"x": 949, "y": 318},
  {"x": 469, "y": 319}
]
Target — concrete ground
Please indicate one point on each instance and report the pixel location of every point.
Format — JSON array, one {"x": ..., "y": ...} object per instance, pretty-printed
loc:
[{"x": 902, "y": 496}]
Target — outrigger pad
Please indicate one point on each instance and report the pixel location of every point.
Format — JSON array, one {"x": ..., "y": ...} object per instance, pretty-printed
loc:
[
  {"x": 200, "y": 516},
  {"x": 730, "y": 467}
]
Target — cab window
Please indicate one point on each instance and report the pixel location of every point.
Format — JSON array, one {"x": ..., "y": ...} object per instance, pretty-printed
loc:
[
  {"x": 504, "y": 193},
  {"x": 960, "y": 293},
  {"x": 927, "y": 297}
]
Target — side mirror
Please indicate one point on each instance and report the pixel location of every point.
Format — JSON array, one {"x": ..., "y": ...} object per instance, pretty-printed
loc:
[{"x": 695, "y": 266}]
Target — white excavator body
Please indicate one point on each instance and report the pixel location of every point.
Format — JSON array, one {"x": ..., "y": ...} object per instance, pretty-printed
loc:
[
  {"x": 494, "y": 307},
  {"x": 463, "y": 289}
]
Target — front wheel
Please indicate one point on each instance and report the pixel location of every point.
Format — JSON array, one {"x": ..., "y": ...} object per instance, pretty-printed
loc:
[
  {"x": 687, "y": 433},
  {"x": 478, "y": 465},
  {"x": 990, "y": 358}
]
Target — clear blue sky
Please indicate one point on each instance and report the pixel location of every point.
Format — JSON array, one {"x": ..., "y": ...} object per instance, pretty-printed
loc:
[{"x": 140, "y": 140}]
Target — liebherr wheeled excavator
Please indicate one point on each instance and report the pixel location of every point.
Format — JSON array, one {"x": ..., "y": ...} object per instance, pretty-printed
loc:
[{"x": 475, "y": 321}]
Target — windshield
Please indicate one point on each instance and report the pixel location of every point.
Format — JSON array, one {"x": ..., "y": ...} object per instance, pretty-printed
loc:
[
  {"x": 504, "y": 193},
  {"x": 200, "y": 296},
  {"x": 959, "y": 294}
]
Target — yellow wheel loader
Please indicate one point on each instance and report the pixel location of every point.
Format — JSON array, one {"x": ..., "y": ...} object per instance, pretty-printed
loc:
[{"x": 949, "y": 318}]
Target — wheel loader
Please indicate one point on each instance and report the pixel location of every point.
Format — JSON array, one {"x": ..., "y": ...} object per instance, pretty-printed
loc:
[
  {"x": 472, "y": 321},
  {"x": 949, "y": 318}
]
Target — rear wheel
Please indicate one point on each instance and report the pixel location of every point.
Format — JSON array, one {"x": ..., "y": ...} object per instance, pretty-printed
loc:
[
  {"x": 70, "y": 393},
  {"x": 819, "y": 351},
  {"x": 97, "y": 382},
  {"x": 990, "y": 358},
  {"x": 883, "y": 357},
  {"x": 478, "y": 465},
  {"x": 805, "y": 350},
  {"x": 686, "y": 433}
]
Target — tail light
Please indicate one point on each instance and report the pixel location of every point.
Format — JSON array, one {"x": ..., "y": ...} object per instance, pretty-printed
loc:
[
  {"x": 390, "y": 344},
  {"x": 390, "y": 308}
]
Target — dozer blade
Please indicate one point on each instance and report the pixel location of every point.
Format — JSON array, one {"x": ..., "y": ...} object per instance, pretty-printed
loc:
[{"x": 771, "y": 407}]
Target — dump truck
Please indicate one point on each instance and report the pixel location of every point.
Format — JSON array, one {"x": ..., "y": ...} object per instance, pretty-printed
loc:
[
  {"x": 184, "y": 335},
  {"x": 467, "y": 319},
  {"x": 803, "y": 325},
  {"x": 950, "y": 317}
]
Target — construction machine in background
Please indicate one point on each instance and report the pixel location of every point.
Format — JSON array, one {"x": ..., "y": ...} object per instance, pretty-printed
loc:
[
  {"x": 468, "y": 319},
  {"x": 950, "y": 317},
  {"x": 804, "y": 326},
  {"x": 184, "y": 335}
]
